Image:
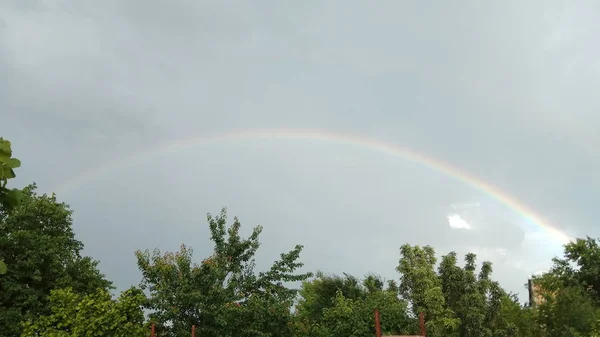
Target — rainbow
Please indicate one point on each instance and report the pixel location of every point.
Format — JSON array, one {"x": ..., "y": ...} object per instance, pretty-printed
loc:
[{"x": 326, "y": 136}]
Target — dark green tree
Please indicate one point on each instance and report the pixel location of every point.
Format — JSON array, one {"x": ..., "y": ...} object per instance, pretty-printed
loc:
[
  {"x": 223, "y": 295},
  {"x": 570, "y": 292},
  {"x": 568, "y": 312},
  {"x": 580, "y": 267},
  {"x": 39, "y": 246},
  {"x": 422, "y": 288},
  {"x": 352, "y": 315},
  {"x": 319, "y": 293},
  {"x": 472, "y": 297}
]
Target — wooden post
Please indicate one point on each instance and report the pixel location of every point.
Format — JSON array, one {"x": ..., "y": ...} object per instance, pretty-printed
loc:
[
  {"x": 377, "y": 324},
  {"x": 422, "y": 323},
  {"x": 152, "y": 330},
  {"x": 193, "y": 331}
]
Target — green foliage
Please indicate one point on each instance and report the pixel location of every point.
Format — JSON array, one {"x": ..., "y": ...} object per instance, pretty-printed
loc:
[
  {"x": 325, "y": 310},
  {"x": 320, "y": 293},
  {"x": 580, "y": 266},
  {"x": 95, "y": 314},
  {"x": 516, "y": 320},
  {"x": 571, "y": 291},
  {"x": 458, "y": 301},
  {"x": 570, "y": 312},
  {"x": 421, "y": 286},
  {"x": 355, "y": 318},
  {"x": 38, "y": 243},
  {"x": 9, "y": 198},
  {"x": 223, "y": 294}
]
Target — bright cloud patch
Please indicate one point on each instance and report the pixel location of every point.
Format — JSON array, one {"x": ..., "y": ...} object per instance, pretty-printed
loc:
[{"x": 455, "y": 221}]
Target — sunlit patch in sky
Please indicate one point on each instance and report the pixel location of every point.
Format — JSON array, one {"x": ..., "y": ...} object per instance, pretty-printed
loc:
[
  {"x": 488, "y": 253},
  {"x": 500, "y": 251},
  {"x": 465, "y": 205},
  {"x": 456, "y": 221}
]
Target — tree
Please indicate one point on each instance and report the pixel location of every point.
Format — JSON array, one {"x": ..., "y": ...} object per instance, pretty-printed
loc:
[
  {"x": 95, "y": 314},
  {"x": 580, "y": 267},
  {"x": 9, "y": 198},
  {"x": 515, "y": 319},
  {"x": 422, "y": 288},
  {"x": 319, "y": 294},
  {"x": 569, "y": 313},
  {"x": 221, "y": 296},
  {"x": 38, "y": 243},
  {"x": 474, "y": 298},
  {"x": 456, "y": 300},
  {"x": 333, "y": 305},
  {"x": 570, "y": 291}
]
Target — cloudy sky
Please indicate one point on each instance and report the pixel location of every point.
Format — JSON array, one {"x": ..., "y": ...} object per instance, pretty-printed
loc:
[{"x": 501, "y": 90}]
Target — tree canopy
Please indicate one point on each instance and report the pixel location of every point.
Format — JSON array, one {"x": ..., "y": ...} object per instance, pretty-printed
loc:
[
  {"x": 221, "y": 287},
  {"x": 40, "y": 248}
]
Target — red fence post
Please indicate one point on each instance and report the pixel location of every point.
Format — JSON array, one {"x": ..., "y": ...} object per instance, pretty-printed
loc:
[
  {"x": 152, "y": 330},
  {"x": 377, "y": 324},
  {"x": 193, "y": 331},
  {"x": 422, "y": 323}
]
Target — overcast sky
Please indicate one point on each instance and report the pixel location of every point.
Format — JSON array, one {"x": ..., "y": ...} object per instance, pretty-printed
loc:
[{"x": 505, "y": 90}]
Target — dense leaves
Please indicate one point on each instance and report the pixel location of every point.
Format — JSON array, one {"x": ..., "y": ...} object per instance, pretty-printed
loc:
[
  {"x": 40, "y": 248},
  {"x": 320, "y": 294},
  {"x": 9, "y": 198},
  {"x": 349, "y": 310},
  {"x": 96, "y": 314},
  {"x": 222, "y": 287}
]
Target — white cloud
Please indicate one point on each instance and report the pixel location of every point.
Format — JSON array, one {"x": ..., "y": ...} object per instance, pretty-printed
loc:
[{"x": 456, "y": 221}]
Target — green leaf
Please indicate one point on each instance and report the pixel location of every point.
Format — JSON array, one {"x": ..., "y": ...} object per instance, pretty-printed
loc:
[
  {"x": 5, "y": 150},
  {"x": 6, "y": 172},
  {"x": 12, "y": 163},
  {"x": 3, "y": 268}
]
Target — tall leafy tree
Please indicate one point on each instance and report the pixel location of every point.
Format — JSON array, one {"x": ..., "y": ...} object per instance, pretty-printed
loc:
[
  {"x": 473, "y": 297},
  {"x": 569, "y": 312},
  {"x": 222, "y": 294},
  {"x": 40, "y": 248},
  {"x": 9, "y": 198},
  {"x": 421, "y": 286},
  {"x": 570, "y": 291},
  {"x": 458, "y": 301},
  {"x": 580, "y": 267},
  {"x": 515, "y": 319}
]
